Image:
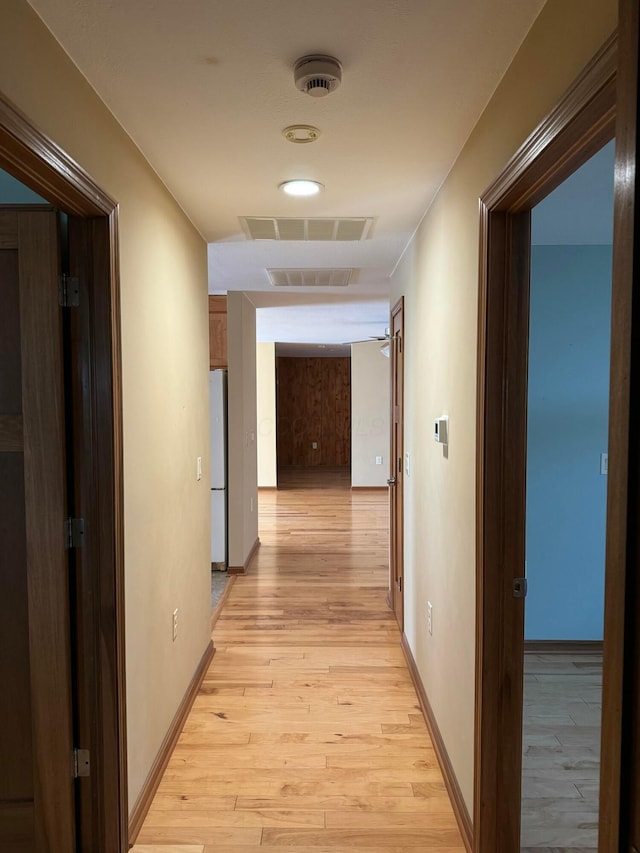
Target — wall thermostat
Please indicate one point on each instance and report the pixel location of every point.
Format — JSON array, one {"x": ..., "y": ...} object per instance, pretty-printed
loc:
[{"x": 441, "y": 430}]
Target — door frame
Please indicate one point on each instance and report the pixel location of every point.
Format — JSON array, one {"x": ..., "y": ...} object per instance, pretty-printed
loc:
[
  {"x": 37, "y": 161},
  {"x": 396, "y": 473},
  {"x": 582, "y": 122},
  {"x": 620, "y": 761}
]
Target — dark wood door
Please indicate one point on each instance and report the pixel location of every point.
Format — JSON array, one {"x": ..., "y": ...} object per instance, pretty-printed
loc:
[
  {"x": 620, "y": 772},
  {"x": 396, "y": 474},
  {"x": 36, "y": 784}
]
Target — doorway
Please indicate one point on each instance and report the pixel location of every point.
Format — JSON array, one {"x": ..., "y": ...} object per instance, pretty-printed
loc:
[
  {"x": 566, "y": 494},
  {"x": 89, "y": 659},
  {"x": 583, "y": 121},
  {"x": 396, "y": 472},
  {"x": 313, "y": 413}
]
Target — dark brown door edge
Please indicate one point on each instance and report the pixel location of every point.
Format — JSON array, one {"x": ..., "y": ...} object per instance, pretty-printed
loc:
[{"x": 99, "y": 680}]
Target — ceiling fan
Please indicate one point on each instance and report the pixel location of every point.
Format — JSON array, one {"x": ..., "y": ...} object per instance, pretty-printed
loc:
[{"x": 381, "y": 338}]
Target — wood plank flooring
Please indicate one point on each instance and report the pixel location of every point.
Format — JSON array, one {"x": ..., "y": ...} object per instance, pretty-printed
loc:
[
  {"x": 561, "y": 753},
  {"x": 307, "y": 733}
]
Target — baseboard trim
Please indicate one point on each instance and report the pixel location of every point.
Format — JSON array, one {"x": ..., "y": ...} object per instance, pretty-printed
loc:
[
  {"x": 241, "y": 570},
  {"x": 459, "y": 806},
  {"x": 267, "y": 488},
  {"x": 369, "y": 488},
  {"x": 143, "y": 803},
  {"x": 217, "y": 610},
  {"x": 564, "y": 647}
]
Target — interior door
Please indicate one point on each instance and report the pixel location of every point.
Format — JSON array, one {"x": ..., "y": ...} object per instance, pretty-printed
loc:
[
  {"x": 36, "y": 784},
  {"x": 621, "y": 731},
  {"x": 396, "y": 479}
]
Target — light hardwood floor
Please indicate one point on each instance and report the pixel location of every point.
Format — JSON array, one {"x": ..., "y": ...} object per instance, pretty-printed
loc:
[
  {"x": 306, "y": 734},
  {"x": 561, "y": 753}
]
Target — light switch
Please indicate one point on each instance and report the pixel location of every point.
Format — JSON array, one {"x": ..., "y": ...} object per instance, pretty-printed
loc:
[
  {"x": 407, "y": 465},
  {"x": 199, "y": 468},
  {"x": 378, "y": 460}
]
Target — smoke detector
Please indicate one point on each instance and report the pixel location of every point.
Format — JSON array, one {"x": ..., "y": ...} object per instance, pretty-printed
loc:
[{"x": 317, "y": 75}]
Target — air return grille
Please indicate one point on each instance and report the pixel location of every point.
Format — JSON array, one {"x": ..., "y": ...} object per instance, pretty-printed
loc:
[
  {"x": 279, "y": 228},
  {"x": 310, "y": 277}
]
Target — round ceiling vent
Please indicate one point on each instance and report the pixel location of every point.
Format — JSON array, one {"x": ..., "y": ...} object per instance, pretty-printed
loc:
[
  {"x": 301, "y": 133},
  {"x": 317, "y": 75}
]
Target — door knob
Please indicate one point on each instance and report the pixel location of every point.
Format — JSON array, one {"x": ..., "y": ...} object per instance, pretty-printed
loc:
[{"x": 391, "y": 481}]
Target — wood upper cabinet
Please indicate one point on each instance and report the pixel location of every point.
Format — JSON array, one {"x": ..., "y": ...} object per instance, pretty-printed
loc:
[{"x": 217, "y": 332}]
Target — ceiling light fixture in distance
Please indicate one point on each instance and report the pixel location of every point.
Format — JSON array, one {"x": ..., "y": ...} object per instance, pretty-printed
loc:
[{"x": 301, "y": 188}]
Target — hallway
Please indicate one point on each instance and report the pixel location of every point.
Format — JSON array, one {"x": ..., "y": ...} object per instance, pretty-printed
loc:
[{"x": 307, "y": 731}]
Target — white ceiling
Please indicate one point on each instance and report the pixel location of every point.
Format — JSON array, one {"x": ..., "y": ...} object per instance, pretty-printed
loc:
[
  {"x": 205, "y": 88},
  {"x": 307, "y": 318}
]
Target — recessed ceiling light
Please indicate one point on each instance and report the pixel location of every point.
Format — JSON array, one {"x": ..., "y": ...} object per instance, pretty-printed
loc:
[{"x": 299, "y": 187}]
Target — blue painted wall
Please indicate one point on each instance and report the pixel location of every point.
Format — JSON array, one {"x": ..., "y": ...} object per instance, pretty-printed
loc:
[
  {"x": 13, "y": 192},
  {"x": 567, "y": 432}
]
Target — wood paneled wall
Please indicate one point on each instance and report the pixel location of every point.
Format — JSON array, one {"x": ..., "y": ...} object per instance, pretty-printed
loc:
[{"x": 314, "y": 405}]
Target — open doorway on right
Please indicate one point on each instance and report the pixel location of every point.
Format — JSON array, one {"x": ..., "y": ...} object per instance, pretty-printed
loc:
[{"x": 567, "y": 436}]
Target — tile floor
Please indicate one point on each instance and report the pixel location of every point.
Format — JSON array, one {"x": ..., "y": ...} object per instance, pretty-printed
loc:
[{"x": 561, "y": 753}]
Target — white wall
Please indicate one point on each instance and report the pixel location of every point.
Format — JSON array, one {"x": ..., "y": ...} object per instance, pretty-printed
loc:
[
  {"x": 243, "y": 463},
  {"x": 163, "y": 277},
  {"x": 438, "y": 277},
  {"x": 370, "y": 402},
  {"x": 266, "y": 382}
]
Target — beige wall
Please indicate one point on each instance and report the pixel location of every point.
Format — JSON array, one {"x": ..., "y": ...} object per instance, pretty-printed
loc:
[
  {"x": 266, "y": 382},
  {"x": 438, "y": 277},
  {"x": 243, "y": 463},
  {"x": 165, "y": 381},
  {"x": 370, "y": 401}
]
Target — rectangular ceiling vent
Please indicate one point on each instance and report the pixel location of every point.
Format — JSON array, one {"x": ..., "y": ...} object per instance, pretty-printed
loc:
[
  {"x": 354, "y": 228},
  {"x": 310, "y": 277}
]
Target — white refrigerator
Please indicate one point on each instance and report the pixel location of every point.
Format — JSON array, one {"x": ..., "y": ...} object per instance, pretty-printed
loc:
[{"x": 218, "y": 411}]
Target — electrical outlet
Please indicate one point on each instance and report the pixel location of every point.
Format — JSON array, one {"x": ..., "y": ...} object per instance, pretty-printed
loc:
[
  {"x": 407, "y": 464},
  {"x": 429, "y": 617},
  {"x": 314, "y": 445},
  {"x": 604, "y": 463},
  {"x": 175, "y": 624},
  {"x": 199, "y": 468},
  {"x": 378, "y": 460}
]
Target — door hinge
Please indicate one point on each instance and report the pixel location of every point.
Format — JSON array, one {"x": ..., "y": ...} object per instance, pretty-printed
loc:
[
  {"x": 399, "y": 584},
  {"x": 68, "y": 291},
  {"x": 74, "y": 533},
  {"x": 520, "y": 588},
  {"x": 81, "y": 763}
]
